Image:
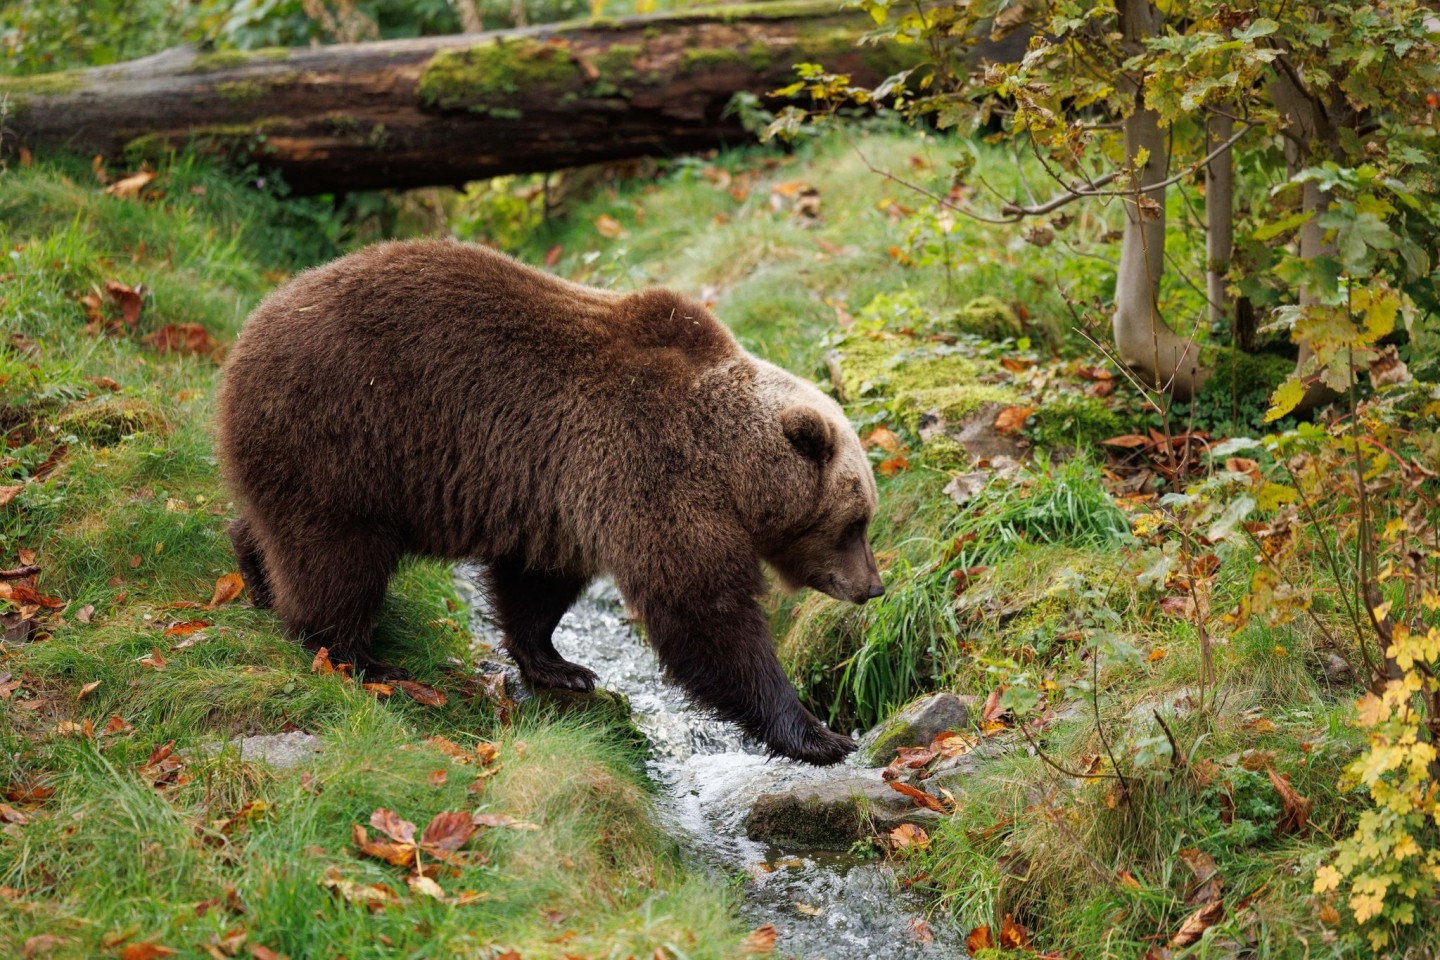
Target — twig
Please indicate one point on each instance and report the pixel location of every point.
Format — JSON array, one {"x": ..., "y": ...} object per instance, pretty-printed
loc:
[{"x": 1176, "y": 760}]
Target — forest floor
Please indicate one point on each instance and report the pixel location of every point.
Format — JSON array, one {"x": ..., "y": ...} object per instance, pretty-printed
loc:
[{"x": 131, "y": 817}]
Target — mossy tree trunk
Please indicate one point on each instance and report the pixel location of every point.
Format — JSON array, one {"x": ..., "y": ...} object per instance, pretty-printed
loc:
[{"x": 444, "y": 110}]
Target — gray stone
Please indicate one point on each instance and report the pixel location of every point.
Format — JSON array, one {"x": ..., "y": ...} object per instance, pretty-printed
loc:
[
  {"x": 832, "y": 814},
  {"x": 282, "y": 750},
  {"x": 918, "y": 724}
]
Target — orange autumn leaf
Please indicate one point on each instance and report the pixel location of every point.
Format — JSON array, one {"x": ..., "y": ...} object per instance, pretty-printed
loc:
[
  {"x": 186, "y": 338},
  {"x": 608, "y": 227},
  {"x": 979, "y": 939},
  {"x": 145, "y": 951},
  {"x": 1013, "y": 935},
  {"x": 921, "y": 798},
  {"x": 129, "y": 188},
  {"x": 186, "y": 628},
  {"x": 884, "y": 438},
  {"x": 908, "y": 836},
  {"x": 761, "y": 940},
  {"x": 1012, "y": 419},
  {"x": 128, "y": 299},
  {"x": 421, "y": 693},
  {"x": 892, "y": 466},
  {"x": 227, "y": 588}
]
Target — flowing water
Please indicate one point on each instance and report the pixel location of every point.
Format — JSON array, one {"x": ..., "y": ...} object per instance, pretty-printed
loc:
[{"x": 825, "y": 905}]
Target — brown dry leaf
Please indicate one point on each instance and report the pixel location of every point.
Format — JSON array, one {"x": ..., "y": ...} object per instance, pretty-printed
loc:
[
  {"x": 502, "y": 820},
  {"x": 1296, "y": 815},
  {"x": 424, "y": 885},
  {"x": 1013, "y": 935},
  {"x": 552, "y": 256},
  {"x": 399, "y": 854},
  {"x": 761, "y": 940},
  {"x": 1329, "y": 915},
  {"x": 421, "y": 693},
  {"x": 155, "y": 660},
  {"x": 41, "y": 944},
  {"x": 1127, "y": 880},
  {"x": 608, "y": 227},
  {"x": 920, "y": 931},
  {"x": 893, "y": 465},
  {"x": 448, "y": 831},
  {"x": 9, "y": 814},
  {"x": 393, "y": 825},
  {"x": 321, "y": 664},
  {"x": 1016, "y": 364},
  {"x": 86, "y": 613},
  {"x": 30, "y": 791},
  {"x": 188, "y": 338},
  {"x": 185, "y": 628},
  {"x": 129, "y": 188},
  {"x": 884, "y": 438},
  {"x": 381, "y": 691},
  {"x": 1128, "y": 441},
  {"x": 1197, "y": 923},
  {"x": 438, "y": 778},
  {"x": 116, "y": 724},
  {"x": 907, "y": 836},
  {"x": 993, "y": 711},
  {"x": 8, "y": 493},
  {"x": 979, "y": 939},
  {"x": 1012, "y": 419},
  {"x": 227, "y": 588},
  {"x": 372, "y": 896},
  {"x": 104, "y": 383},
  {"x": 128, "y": 299},
  {"x": 88, "y": 689},
  {"x": 265, "y": 953},
  {"x": 921, "y": 798},
  {"x": 146, "y": 950}
]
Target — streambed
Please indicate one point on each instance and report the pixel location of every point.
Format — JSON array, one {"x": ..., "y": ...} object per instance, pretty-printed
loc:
[{"x": 826, "y": 905}]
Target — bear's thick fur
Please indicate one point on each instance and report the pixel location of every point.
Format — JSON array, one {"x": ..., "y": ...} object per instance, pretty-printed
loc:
[{"x": 440, "y": 398}]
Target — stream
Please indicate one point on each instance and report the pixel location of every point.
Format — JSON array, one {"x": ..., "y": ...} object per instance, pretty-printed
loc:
[{"x": 825, "y": 905}]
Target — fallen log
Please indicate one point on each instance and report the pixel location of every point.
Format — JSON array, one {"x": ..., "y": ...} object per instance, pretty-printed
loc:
[{"x": 444, "y": 110}]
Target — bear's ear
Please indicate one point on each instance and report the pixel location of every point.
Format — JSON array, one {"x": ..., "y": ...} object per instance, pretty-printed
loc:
[{"x": 809, "y": 433}]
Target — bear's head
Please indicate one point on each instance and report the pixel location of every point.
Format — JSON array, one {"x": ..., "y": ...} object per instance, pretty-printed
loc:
[{"x": 831, "y": 492}]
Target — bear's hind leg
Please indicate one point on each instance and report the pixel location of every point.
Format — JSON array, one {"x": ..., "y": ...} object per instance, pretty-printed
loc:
[
  {"x": 328, "y": 590},
  {"x": 251, "y": 560},
  {"x": 529, "y": 604}
]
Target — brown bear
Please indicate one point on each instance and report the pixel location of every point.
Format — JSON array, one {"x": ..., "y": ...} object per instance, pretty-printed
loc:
[{"x": 443, "y": 399}]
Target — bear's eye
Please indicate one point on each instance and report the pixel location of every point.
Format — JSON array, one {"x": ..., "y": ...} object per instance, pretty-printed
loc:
[{"x": 853, "y": 531}]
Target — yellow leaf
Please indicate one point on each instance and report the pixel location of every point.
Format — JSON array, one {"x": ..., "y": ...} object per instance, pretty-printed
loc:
[
  {"x": 1287, "y": 397},
  {"x": 1326, "y": 878}
]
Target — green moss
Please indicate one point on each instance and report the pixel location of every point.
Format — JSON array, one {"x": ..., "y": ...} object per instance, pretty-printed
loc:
[
  {"x": 1242, "y": 374},
  {"x": 988, "y": 317},
  {"x": 704, "y": 58},
  {"x": 19, "y": 89},
  {"x": 890, "y": 365},
  {"x": 240, "y": 91},
  {"x": 485, "y": 76},
  {"x": 618, "y": 62},
  {"x": 228, "y": 59},
  {"x": 952, "y": 403},
  {"x": 945, "y": 453},
  {"x": 109, "y": 420},
  {"x": 1075, "y": 420}
]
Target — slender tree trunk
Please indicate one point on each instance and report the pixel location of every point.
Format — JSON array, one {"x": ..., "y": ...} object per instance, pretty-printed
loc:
[
  {"x": 1219, "y": 217},
  {"x": 1146, "y": 344},
  {"x": 1310, "y": 136}
]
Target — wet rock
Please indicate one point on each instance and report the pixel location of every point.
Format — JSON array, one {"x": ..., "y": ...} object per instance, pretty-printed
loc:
[
  {"x": 917, "y": 725},
  {"x": 280, "y": 750},
  {"x": 1337, "y": 669},
  {"x": 832, "y": 814}
]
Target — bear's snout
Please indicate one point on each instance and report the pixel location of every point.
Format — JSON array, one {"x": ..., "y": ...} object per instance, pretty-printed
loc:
[{"x": 877, "y": 590}]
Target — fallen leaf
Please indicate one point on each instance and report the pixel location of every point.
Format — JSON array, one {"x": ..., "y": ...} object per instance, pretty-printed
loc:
[
  {"x": 608, "y": 227},
  {"x": 41, "y": 944},
  {"x": 921, "y": 798},
  {"x": 893, "y": 465},
  {"x": 146, "y": 950},
  {"x": 381, "y": 691},
  {"x": 907, "y": 836},
  {"x": 884, "y": 438},
  {"x": 1016, "y": 364},
  {"x": 426, "y": 886},
  {"x": 185, "y": 628},
  {"x": 9, "y": 814},
  {"x": 393, "y": 825},
  {"x": 129, "y": 188},
  {"x": 1013, "y": 935},
  {"x": 1197, "y": 923},
  {"x": 552, "y": 256},
  {"x": 155, "y": 660},
  {"x": 399, "y": 854},
  {"x": 8, "y": 493},
  {"x": 265, "y": 953},
  {"x": 85, "y": 613},
  {"x": 447, "y": 831},
  {"x": 979, "y": 939},
  {"x": 128, "y": 299},
  {"x": 761, "y": 940},
  {"x": 438, "y": 778},
  {"x": 372, "y": 896},
  {"x": 1296, "y": 815},
  {"x": 116, "y": 724},
  {"x": 227, "y": 588},
  {"x": 1128, "y": 440},
  {"x": 421, "y": 693},
  {"x": 920, "y": 931},
  {"x": 1012, "y": 419},
  {"x": 185, "y": 338},
  {"x": 1329, "y": 915}
]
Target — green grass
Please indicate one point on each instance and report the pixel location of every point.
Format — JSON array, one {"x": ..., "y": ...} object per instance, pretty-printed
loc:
[{"x": 129, "y": 522}]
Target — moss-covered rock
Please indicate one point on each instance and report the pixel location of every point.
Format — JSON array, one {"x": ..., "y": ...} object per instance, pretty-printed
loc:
[
  {"x": 945, "y": 453},
  {"x": 485, "y": 76},
  {"x": 917, "y": 725},
  {"x": 952, "y": 404},
  {"x": 1075, "y": 420},
  {"x": 108, "y": 420},
  {"x": 833, "y": 814},
  {"x": 881, "y": 364},
  {"x": 987, "y": 317}
]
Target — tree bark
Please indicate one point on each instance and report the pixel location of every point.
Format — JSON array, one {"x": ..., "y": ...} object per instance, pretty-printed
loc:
[
  {"x": 444, "y": 110},
  {"x": 1156, "y": 354},
  {"x": 1219, "y": 218}
]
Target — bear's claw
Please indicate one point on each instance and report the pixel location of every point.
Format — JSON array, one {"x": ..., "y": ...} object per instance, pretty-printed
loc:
[{"x": 559, "y": 674}]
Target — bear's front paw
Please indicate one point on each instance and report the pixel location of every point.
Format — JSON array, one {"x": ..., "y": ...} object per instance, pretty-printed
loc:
[
  {"x": 815, "y": 744},
  {"x": 558, "y": 674}
]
